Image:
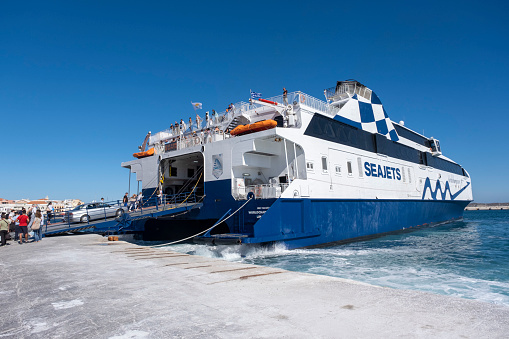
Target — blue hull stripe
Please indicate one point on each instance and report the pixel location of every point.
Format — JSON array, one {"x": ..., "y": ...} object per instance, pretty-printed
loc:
[
  {"x": 438, "y": 187},
  {"x": 308, "y": 222}
]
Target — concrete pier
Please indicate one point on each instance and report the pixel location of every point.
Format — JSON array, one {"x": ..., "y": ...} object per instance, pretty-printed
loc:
[
  {"x": 486, "y": 208},
  {"x": 473, "y": 206},
  {"x": 86, "y": 287}
]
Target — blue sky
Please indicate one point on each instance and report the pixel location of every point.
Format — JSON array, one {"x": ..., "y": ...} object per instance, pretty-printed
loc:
[{"x": 82, "y": 82}]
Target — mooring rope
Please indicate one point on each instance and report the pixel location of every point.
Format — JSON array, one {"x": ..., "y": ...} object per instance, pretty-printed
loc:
[{"x": 202, "y": 232}]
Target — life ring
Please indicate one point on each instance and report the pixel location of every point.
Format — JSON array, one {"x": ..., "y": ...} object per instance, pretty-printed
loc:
[
  {"x": 302, "y": 98},
  {"x": 197, "y": 141}
]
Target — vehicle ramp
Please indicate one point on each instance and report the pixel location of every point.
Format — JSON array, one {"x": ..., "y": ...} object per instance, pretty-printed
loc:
[{"x": 127, "y": 222}]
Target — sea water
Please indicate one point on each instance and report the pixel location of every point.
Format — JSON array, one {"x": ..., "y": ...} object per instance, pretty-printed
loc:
[{"x": 468, "y": 258}]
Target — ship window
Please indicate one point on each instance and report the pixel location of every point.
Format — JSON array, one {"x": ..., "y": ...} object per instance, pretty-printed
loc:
[
  {"x": 329, "y": 131},
  {"x": 465, "y": 174},
  {"x": 310, "y": 166},
  {"x": 349, "y": 167},
  {"x": 359, "y": 166},
  {"x": 403, "y": 173},
  {"x": 409, "y": 176},
  {"x": 190, "y": 172},
  {"x": 324, "y": 164},
  {"x": 338, "y": 170}
]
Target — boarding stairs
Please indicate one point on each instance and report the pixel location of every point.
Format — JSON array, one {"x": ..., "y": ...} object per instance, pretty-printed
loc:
[{"x": 234, "y": 123}]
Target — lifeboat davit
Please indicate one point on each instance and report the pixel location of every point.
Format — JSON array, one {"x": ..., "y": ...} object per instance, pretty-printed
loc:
[
  {"x": 256, "y": 127},
  {"x": 144, "y": 154}
]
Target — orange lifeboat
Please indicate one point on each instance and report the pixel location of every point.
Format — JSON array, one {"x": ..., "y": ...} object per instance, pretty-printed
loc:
[
  {"x": 144, "y": 154},
  {"x": 256, "y": 127}
]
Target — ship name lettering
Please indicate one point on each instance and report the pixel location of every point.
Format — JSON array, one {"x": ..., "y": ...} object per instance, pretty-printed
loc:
[
  {"x": 387, "y": 172},
  {"x": 256, "y": 212}
]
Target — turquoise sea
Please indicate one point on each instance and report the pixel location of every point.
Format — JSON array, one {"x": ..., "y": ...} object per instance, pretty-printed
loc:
[{"x": 467, "y": 259}]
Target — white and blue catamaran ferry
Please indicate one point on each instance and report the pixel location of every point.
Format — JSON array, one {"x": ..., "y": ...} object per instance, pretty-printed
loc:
[{"x": 300, "y": 171}]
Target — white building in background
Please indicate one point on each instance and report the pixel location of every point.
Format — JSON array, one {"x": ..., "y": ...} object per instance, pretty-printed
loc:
[{"x": 58, "y": 205}]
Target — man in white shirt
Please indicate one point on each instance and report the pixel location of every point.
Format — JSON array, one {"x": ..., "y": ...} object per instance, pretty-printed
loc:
[{"x": 198, "y": 121}]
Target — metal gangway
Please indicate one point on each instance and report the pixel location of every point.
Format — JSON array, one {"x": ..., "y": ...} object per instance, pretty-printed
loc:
[{"x": 115, "y": 217}]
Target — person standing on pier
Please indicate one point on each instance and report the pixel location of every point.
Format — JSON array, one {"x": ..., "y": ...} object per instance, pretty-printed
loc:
[
  {"x": 125, "y": 200},
  {"x": 15, "y": 223},
  {"x": 31, "y": 214},
  {"x": 4, "y": 229},
  {"x": 23, "y": 227},
  {"x": 37, "y": 226}
]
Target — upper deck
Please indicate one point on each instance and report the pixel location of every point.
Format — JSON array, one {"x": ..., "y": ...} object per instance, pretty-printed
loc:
[
  {"x": 218, "y": 127},
  {"x": 349, "y": 102}
]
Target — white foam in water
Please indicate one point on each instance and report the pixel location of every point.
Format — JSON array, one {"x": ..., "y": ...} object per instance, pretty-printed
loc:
[
  {"x": 360, "y": 265},
  {"x": 450, "y": 260}
]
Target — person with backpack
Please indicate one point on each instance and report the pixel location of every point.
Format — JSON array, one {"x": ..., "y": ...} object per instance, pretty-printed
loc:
[{"x": 37, "y": 226}]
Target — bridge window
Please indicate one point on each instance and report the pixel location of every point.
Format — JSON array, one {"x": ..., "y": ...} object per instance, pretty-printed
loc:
[{"x": 349, "y": 167}]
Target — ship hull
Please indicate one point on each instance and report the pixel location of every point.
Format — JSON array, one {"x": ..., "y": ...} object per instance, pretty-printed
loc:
[{"x": 312, "y": 222}]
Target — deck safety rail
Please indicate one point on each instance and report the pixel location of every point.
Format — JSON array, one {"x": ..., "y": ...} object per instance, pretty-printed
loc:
[
  {"x": 192, "y": 140},
  {"x": 193, "y": 136},
  {"x": 263, "y": 191}
]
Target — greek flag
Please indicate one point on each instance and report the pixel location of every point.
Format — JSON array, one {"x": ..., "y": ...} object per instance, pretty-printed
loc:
[
  {"x": 196, "y": 105},
  {"x": 255, "y": 95}
]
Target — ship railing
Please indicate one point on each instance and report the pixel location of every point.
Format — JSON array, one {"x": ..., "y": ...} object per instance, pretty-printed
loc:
[
  {"x": 161, "y": 202},
  {"x": 314, "y": 103},
  {"x": 215, "y": 128},
  {"x": 262, "y": 191},
  {"x": 344, "y": 90},
  {"x": 192, "y": 140}
]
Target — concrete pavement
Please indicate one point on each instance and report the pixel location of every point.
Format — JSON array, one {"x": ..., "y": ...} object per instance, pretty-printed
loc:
[{"x": 85, "y": 287}]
